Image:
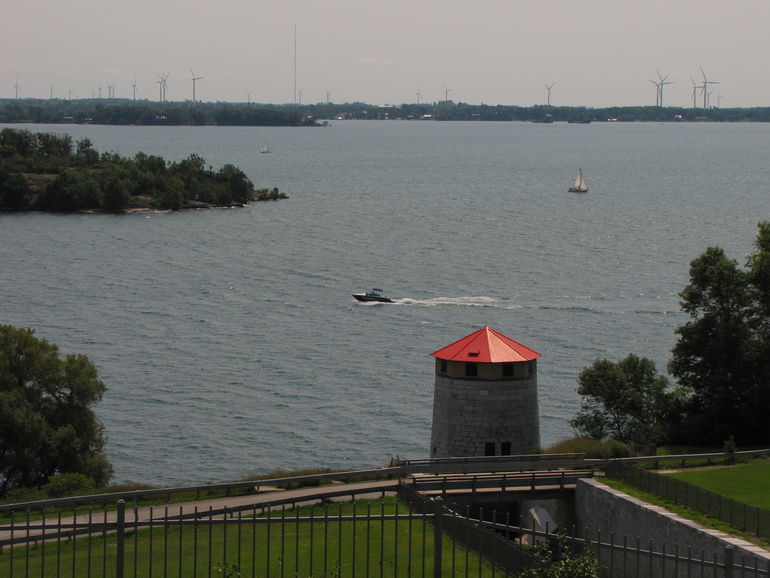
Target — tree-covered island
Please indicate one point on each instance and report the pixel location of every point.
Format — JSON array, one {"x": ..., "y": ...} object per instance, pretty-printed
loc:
[{"x": 49, "y": 172}]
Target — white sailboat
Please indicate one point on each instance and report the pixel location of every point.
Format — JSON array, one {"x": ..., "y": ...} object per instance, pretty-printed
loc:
[{"x": 580, "y": 185}]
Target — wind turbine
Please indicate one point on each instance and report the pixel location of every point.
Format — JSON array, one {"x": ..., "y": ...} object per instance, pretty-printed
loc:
[
  {"x": 705, "y": 87},
  {"x": 162, "y": 82},
  {"x": 194, "y": 80},
  {"x": 659, "y": 85},
  {"x": 695, "y": 88},
  {"x": 548, "y": 87},
  {"x": 418, "y": 95},
  {"x": 134, "y": 87},
  {"x": 51, "y": 91},
  {"x": 17, "y": 87},
  {"x": 446, "y": 93},
  {"x": 657, "y": 91}
]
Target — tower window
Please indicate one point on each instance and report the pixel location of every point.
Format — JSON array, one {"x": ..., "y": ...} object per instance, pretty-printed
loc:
[
  {"x": 442, "y": 366},
  {"x": 489, "y": 448},
  {"x": 507, "y": 369},
  {"x": 505, "y": 449},
  {"x": 471, "y": 369}
]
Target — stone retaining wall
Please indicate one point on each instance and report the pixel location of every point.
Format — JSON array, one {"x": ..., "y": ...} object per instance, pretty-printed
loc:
[{"x": 599, "y": 508}]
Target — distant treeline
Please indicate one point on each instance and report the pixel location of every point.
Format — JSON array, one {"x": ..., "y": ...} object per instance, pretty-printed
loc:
[
  {"x": 140, "y": 112},
  {"x": 145, "y": 112},
  {"x": 48, "y": 172}
]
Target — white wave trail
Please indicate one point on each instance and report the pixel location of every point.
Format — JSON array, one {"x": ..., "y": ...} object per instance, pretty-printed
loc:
[{"x": 469, "y": 301}]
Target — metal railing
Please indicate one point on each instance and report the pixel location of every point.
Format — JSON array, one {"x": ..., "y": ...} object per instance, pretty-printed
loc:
[
  {"x": 434, "y": 466},
  {"x": 425, "y": 538},
  {"x": 404, "y": 468}
]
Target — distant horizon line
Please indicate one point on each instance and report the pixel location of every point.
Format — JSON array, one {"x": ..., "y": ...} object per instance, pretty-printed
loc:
[{"x": 356, "y": 102}]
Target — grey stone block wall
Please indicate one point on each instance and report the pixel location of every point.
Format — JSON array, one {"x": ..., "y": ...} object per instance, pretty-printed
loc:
[
  {"x": 601, "y": 508},
  {"x": 467, "y": 413}
]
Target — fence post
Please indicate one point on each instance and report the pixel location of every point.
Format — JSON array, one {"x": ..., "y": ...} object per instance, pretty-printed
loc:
[
  {"x": 729, "y": 561},
  {"x": 438, "y": 519},
  {"x": 120, "y": 539}
]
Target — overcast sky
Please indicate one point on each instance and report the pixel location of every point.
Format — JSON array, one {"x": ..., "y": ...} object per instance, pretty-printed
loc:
[{"x": 597, "y": 52}]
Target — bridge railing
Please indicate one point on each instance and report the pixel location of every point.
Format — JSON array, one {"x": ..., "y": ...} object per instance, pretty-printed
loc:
[
  {"x": 435, "y": 466},
  {"x": 505, "y": 482},
  {"x": 404, "y": 468}
]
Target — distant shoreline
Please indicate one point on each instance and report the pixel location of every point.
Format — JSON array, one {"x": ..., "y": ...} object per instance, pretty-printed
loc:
[{"x": 127, "y": 112}]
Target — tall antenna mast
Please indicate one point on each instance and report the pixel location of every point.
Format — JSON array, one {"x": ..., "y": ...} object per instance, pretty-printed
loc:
[{"x": 295, "y": 64}]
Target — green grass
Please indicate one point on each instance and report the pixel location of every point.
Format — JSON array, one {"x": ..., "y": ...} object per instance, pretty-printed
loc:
[
  {"x": 280, "y": 549},
  {"x": 747, "y": 482}
]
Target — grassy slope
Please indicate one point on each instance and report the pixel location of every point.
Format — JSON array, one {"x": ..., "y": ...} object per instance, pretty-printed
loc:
[{"x": 748, "y": 483}]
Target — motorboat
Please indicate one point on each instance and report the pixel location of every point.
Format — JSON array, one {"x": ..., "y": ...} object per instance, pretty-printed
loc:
[{"x": 373, "y": 296}]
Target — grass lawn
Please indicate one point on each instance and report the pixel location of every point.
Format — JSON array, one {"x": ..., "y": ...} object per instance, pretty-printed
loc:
[
  {"x": 284, "y": 548},
  {"x": 748, "y": 483}
]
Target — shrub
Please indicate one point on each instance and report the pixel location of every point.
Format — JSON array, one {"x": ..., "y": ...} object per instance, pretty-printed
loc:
[
  {"x": 67, "y": 485},
  {"x": 593, "y": 449}
]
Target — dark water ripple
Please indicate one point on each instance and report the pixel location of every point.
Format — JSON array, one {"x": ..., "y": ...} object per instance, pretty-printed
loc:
[{"x": 229, "y": 340}]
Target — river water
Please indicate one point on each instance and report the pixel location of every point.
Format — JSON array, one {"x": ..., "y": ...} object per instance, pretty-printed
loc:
[{"x": 229, "y": 340}]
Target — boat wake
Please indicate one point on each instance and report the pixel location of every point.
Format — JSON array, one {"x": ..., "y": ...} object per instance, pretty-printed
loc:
[{"x": 470, "y": 301}]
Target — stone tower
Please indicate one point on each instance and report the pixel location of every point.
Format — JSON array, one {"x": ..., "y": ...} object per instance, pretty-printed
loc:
[{"x": 485, "y": 398}]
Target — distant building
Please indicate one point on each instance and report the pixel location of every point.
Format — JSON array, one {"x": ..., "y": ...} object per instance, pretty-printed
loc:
[{"x": 485, "y": 399}]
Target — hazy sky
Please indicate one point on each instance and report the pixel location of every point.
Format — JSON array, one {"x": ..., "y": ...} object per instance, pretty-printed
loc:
[{"x": 597, "y": 52}]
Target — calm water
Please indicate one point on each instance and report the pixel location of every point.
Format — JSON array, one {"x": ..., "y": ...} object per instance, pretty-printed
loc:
[{"x": 229, "y": 340}]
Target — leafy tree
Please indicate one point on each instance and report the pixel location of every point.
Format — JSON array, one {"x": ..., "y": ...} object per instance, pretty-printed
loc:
[
  {"x": 170, "y": 193},
  {"x": 85, "y": 153},
  {"x": 73, "y": 191},
  {"x": 626, "y": 401},
  {"x": 556, "y": 559},
  {"x": 15, "y": 194},
  {"x": 47, "y": 426},
  {"x": 722, "y": 351},
  {"x": 117, "y": 195},
  {"x": 239, "y": 185}
]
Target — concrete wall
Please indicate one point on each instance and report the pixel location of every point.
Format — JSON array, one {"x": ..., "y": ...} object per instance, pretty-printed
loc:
[
  {"x": 467, "y": 413},
  {"x": 601, "y": 508}
]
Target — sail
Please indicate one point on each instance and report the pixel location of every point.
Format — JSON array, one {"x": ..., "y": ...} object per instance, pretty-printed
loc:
[{"x": 580, "y": 184}]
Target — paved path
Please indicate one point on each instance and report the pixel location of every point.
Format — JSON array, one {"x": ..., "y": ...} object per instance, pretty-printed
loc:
[{"x": 218, "y": 506}]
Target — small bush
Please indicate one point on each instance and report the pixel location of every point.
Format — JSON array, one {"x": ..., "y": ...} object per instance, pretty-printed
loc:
[
  {"x": 68, "y": 485},
  {"x": 593, "y": 449}
]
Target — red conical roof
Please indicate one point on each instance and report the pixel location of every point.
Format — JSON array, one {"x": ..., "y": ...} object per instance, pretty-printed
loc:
[{"x": 486, "y": 346}]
